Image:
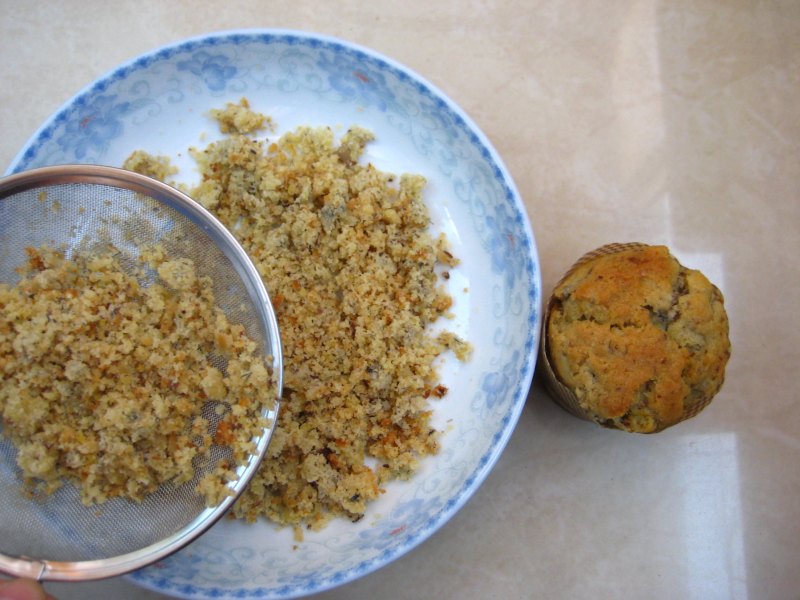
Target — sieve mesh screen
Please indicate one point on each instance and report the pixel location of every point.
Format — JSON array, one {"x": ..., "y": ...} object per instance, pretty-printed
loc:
[{"x": 83, "y": 216}]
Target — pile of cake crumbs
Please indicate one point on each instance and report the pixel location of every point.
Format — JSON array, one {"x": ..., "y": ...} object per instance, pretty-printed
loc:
[
  {"x": 346, "y": 256},
  {"x": 120, "y": 387}
]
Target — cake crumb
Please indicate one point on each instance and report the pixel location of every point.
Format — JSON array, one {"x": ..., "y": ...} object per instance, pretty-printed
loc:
[
  {"x": 154, "y": 166},
  {"x": 238, "y": 118},
  {"x": 105, "y": 382},
  {"x": 345, "y": 252}
]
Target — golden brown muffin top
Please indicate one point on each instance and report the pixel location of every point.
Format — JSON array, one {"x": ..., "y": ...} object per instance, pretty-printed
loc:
[{"x": 641, "y": 340}]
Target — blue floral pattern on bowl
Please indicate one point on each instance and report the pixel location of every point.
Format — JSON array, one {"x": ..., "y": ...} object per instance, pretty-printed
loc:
[
  {"x": 355, "y": 80},
  {"x": 160, "y": 101},
  {"x": 95, "y": 126},
  {"x": 215, "y": 70}
]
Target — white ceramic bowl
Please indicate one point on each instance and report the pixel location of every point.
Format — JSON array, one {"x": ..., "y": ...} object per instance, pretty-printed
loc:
[{"x": 159, "y": 102}]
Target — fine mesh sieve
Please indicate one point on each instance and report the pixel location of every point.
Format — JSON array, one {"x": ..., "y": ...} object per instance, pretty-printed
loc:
[{"x": 76, "y": 207}]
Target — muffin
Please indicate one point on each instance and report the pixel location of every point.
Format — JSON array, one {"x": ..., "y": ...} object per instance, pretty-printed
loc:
[{"x": 634, "y": 340}]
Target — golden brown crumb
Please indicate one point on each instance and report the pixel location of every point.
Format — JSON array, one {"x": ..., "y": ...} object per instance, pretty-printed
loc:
[
  {"x": 344, "y": 251},
  {"x": 443, "y": 254},
  {"x": 459, "y": 347},
  {"x": 238, "y": 118},
  {"x": 105, "y": 381},
  {"x": 157, "y": 167}
]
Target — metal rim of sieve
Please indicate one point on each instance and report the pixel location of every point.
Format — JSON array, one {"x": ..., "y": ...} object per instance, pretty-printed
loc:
[{"x": 50, "y": 570}]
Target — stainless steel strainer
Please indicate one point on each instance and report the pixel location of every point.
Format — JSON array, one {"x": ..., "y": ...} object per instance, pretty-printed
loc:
[{"x": 58, "y": 538}]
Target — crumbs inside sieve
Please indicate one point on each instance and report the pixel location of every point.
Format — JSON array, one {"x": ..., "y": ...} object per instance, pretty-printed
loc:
[{"x": 104, "y": 217}]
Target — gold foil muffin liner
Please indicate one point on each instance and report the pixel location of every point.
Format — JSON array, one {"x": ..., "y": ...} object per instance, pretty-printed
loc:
[{"x": 561, "y": 394}]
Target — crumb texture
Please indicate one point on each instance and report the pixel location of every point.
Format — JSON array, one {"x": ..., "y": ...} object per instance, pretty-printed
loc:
[
  {"x": 641, "y": 340},
  {"x": 157, "y": 167},
  {"x": 239, "y": 118},
  {"x": 346, "y": 256},
  {"x": 110, "y": 384}
]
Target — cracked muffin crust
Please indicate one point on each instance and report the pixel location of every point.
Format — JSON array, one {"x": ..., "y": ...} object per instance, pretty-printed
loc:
[{"x": 640, "y": 340}]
